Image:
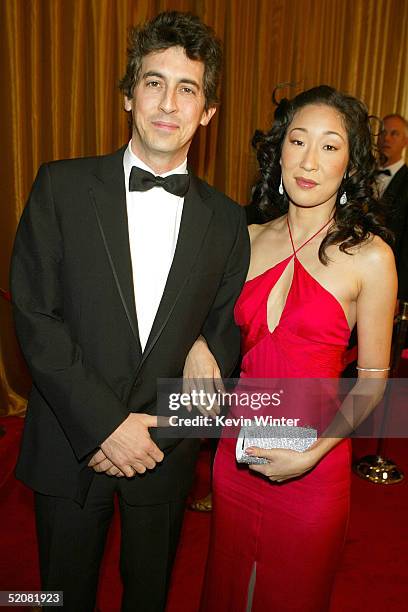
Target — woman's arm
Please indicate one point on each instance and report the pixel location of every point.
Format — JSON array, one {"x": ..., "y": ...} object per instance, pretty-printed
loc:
[{"x": 375, "y": 312}]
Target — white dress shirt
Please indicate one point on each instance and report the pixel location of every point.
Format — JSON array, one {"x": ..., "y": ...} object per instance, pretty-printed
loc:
[
  {"x": 383, "y": 180},
  {"x": 154, "y": 221}
]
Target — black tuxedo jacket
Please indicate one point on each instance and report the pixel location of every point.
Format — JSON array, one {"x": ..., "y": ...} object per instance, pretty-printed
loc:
[
  {"x": 396, "y": 200},
  {"x": 72, "y": 291}
]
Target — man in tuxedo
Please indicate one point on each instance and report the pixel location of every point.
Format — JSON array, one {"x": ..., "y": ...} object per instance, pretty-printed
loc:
[
  {"x": 393, "y": 189},
  {"x": 121, "y": 263}
]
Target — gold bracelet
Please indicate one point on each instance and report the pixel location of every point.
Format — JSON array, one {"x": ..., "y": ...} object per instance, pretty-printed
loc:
[{"x": 373, "y": 369}]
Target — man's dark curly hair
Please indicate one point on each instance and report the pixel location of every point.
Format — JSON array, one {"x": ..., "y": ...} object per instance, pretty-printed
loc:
[
  {"x": 175, "y": 29},
  {"x": 363, "y": 215}
]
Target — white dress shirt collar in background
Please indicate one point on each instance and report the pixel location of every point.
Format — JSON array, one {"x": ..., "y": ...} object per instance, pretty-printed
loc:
[{"x": 383, "y": 180}]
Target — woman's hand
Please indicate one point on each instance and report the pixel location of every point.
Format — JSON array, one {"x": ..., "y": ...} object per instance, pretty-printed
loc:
[
  {"x": 283, "y": 463},
  {"x": 202, "y": 378}
]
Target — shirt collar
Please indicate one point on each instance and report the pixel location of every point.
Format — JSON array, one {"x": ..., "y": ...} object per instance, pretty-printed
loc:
[
  {"x": 393, "y": 168},
  {"x": 130, "y": 159}
]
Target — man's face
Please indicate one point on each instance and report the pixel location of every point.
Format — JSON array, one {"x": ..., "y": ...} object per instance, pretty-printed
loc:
[
  {"x": 393, "y": 139},
  {"x": 167, "y": 107}
]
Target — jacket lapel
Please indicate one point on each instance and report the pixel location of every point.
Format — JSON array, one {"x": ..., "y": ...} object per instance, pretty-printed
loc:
[
  {"x": 395, "y": 184},
  {"x": 195, "y": 219},
  {"x": 108, "y": 196}
]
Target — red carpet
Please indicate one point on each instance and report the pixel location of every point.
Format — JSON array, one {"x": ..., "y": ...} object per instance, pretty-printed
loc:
[{"x": 373, "y": 575}]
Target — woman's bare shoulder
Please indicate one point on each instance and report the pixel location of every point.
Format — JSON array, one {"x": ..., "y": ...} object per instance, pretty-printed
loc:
[
  {"x": 257, "y": 231},
  {"x": 374, "y": 251},
  {"x": 375, "y": 264}
]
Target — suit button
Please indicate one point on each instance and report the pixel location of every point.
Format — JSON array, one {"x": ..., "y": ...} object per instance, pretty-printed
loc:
[{"x": 137, "y": 383}]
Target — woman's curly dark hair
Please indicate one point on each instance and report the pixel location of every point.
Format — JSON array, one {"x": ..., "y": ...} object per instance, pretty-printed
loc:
[{"x": 363, "y": 215}]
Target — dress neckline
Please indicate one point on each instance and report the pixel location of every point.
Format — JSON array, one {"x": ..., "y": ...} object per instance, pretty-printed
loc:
[
  {"x": 298, "y": 266},
  {"x": 295, "y": 251}
]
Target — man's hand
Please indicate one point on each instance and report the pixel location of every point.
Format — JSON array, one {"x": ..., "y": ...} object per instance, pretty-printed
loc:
[
  {"x": 201, "y": 373},
  {"x": 100, "y": 463},
  {"x": 130, "y": 447}
]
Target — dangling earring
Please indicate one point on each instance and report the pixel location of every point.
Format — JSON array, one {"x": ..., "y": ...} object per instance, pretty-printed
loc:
[
  {"x": 280, "y": 186},
  {"x": 343, "y": 197}
]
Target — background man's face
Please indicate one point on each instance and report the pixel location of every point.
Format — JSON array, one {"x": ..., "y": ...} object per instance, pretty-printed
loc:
[
  {"x": 393, "y": 139},
  {"x": 167, "y": 106}
]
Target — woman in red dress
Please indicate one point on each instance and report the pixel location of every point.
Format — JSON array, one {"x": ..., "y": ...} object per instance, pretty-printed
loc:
[{"x": 278, "y": 528}]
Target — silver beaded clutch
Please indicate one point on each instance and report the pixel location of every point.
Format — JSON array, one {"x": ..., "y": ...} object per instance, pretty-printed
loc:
[{"x": 267, "y": 437}]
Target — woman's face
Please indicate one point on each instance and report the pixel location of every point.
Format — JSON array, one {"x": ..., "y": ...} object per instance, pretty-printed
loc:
[{"x": 315, "y": 156}]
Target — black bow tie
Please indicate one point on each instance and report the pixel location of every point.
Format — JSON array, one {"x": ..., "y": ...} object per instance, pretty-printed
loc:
[
  {"x": 386, "y": 172},
  {"x": 141, "y": 180}
]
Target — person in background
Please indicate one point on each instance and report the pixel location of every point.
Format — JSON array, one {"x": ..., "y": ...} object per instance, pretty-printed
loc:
[{"x": 392, "y": 183}]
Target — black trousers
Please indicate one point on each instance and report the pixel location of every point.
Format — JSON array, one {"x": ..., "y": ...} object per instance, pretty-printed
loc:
[{"x": 72, "y": 539}]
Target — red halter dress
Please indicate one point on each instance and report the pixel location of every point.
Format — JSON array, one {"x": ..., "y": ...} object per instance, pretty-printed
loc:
[{"x": 275, "y": 547}]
